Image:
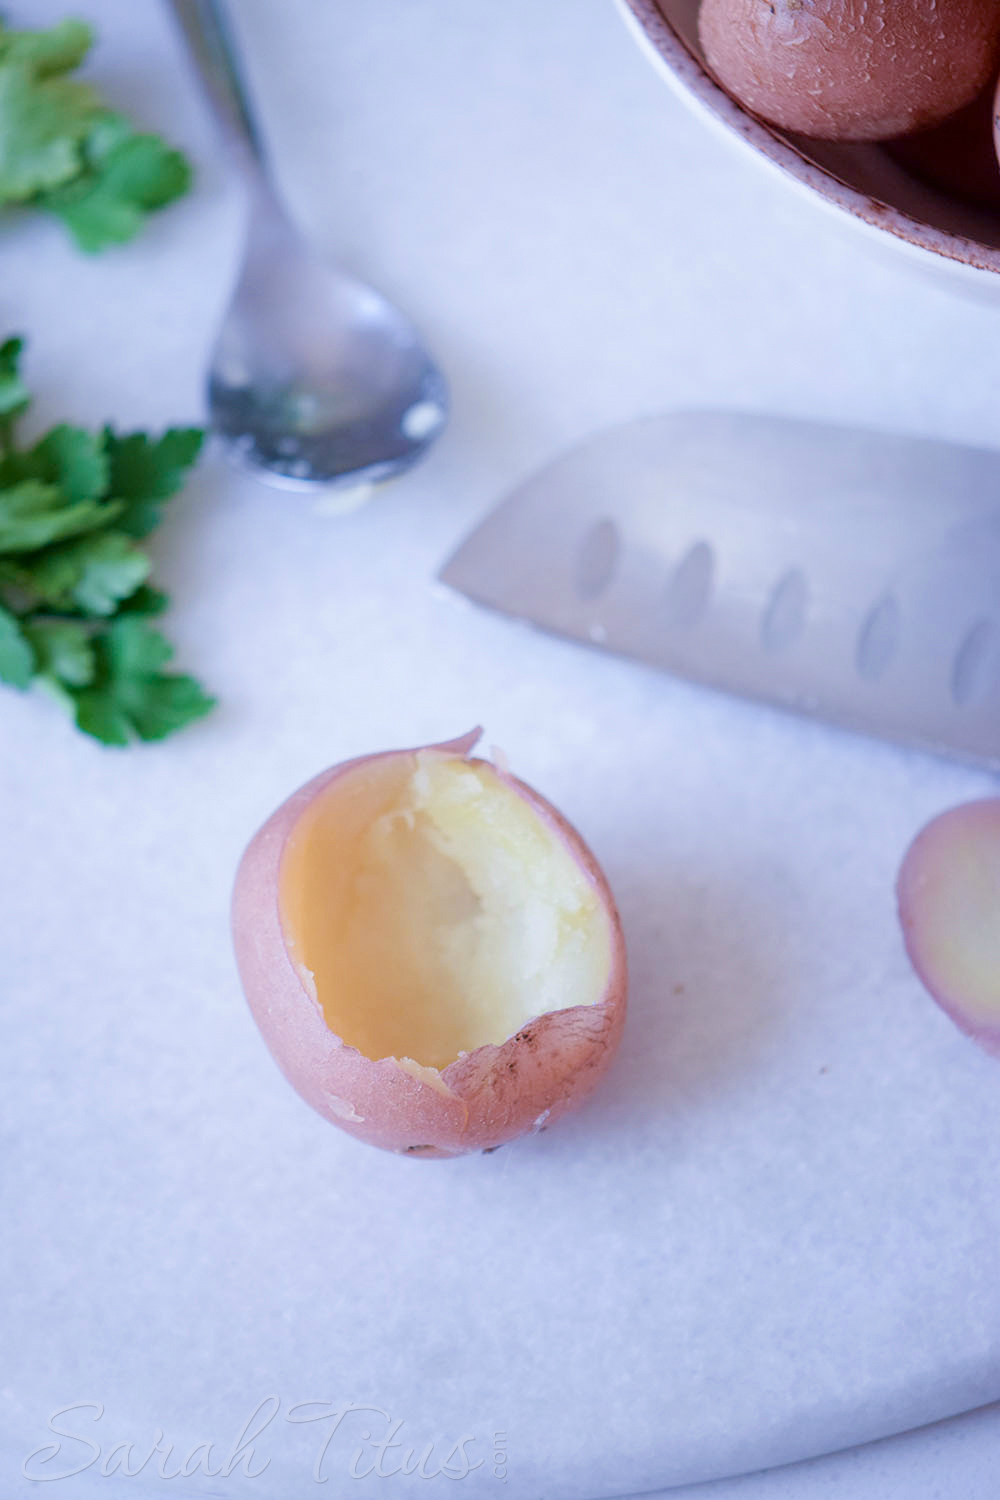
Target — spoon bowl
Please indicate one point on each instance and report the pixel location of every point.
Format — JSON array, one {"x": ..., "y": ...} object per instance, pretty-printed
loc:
[{"x": 316, "y": 379}]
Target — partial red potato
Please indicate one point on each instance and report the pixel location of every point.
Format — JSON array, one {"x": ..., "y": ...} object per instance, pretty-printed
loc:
[
  {"x": 958, "y": 156},
  {"x": 949, "y": 907},
  {"x": 431, "y": 952},
  {"x": 996, "y": 121},
  {"x": 852, "y": 70}
]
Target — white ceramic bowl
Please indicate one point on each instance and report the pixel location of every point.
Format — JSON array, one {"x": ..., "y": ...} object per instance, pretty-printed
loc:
[{"x": 955, "y": 240}]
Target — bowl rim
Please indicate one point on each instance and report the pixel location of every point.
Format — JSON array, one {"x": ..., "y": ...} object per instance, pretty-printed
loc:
[{"x": 689, "y": 70}]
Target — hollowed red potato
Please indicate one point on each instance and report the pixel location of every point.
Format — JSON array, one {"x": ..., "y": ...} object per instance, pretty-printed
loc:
[
  {"x": 431, "y": 952},
  {"x": 949, "y": 907},
  {"x": 848, "y": 70}
]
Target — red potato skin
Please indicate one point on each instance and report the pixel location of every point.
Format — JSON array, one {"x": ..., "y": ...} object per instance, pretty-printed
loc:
[
  {"x": 490, "y": 1096},
  {"x": 843, "y": 70},
  {"x": 911, "y": 896}
]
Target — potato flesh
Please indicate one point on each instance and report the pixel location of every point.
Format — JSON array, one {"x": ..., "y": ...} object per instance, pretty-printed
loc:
[
  {"x": 950, "y": 905},
  {"x": 435, "y": 910}
]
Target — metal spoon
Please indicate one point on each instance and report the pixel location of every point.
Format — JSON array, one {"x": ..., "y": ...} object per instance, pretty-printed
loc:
[{"x": 316, "y": 379}]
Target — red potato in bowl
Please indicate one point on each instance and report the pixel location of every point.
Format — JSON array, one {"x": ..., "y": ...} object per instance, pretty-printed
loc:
[
  {"x": 852, "y": 70},
  {"x": 996, "y": 121},
  {"x": 958, "y": 156},
  {"x": 949, "y": 908},
  {"x": 431, "y": 952}
]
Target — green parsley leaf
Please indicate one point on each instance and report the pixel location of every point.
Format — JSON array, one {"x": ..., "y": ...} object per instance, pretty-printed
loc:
[
  {"x": 98, "y": 715},
  {"x": 145, "y": 473},
  {"x": 71, "y": 458},
  {"x": 113, "y": 568},
  {"x": 131, "y": 695},
  {"x": 135, "y": 650},
  {"x": 58, "y": 50},
  {"x": 63, "y": 650},
  {"x": 64, "y": 150},
  {"x": 33, "y": 514},
  {"x": 43, "y": 124},
  {"x": 94, "y": 573},
  {"x": 108, "y": 202},
  {"x": 168, "y": 702},
  {"x": 145, "y": 601},
  {"x": 14, "y": 397},
  {"x": 17, "y": 660},
  {"x": 75, "y": 603}
]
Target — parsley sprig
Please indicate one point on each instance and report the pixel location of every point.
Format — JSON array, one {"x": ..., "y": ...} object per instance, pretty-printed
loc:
[
  {"x": 75, "y": 596},
  {"x": 63, "y": 150}
]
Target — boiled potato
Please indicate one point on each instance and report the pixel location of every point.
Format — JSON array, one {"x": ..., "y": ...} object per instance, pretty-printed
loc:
[{"x": 844, "y": 70}]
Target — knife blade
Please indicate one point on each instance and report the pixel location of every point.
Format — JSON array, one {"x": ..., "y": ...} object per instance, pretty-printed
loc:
[{"x": 846, "y": 574}]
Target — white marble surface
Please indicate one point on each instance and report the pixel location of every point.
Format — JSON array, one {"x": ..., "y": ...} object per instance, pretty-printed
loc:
[
  {"x": 774, "y": 1231},
  {"x": 934, "y": 1463}
]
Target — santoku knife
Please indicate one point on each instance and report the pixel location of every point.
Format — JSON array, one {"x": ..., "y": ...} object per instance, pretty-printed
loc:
[{"x": 847, "y": 574}]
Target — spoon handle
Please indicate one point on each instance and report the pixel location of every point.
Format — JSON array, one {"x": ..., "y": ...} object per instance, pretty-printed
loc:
[{"x": 209, "y": 37}]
